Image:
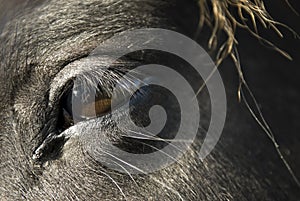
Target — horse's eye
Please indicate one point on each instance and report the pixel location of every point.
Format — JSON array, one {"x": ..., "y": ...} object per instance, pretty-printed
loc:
[
  {"x": 78, "y": 105},
  {"x": 84, "y": 101},
  {"x": 99, "y": 107}
]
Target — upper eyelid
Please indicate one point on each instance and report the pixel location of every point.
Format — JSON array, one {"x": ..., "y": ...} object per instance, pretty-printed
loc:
[
  {"x": 92, "y": 62},
  {"x": 70, "y": 72}
]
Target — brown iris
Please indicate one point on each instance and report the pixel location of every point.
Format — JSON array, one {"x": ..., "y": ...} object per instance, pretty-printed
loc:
[
  {"x": 98, "y": 108},
  {"x": 83, "y": 110}
]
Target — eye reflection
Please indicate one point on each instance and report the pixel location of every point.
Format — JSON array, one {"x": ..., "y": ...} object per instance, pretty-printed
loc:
[
  {"x": 86, "y": 107},
  {"x": 99, "y": 107},
  {"x": 82, "y": 102}
]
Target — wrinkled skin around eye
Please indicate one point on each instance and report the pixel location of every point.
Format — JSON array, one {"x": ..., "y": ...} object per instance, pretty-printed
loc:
[{"x": 45, "y": 37}]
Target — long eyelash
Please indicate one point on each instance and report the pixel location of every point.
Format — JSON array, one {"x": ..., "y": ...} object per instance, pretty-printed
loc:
[{"x": 102, "y": 81}]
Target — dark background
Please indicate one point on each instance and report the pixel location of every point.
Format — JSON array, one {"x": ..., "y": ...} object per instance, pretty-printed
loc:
[{"x": 275, "y": 80}]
